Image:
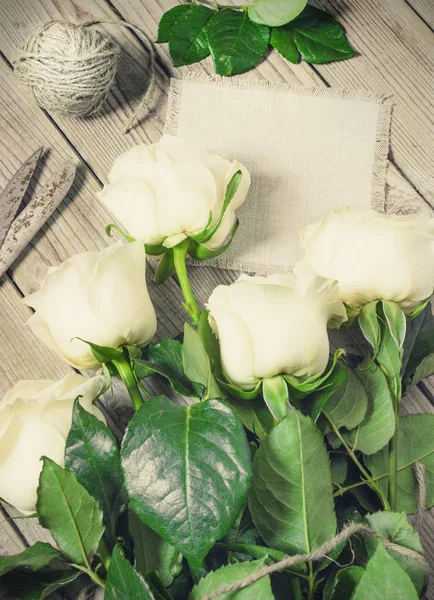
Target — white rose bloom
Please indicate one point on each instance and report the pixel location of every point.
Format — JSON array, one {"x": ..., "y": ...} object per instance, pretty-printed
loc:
[
  {"x": 169, "y": 188},
  {"x": 35, "y": 419},
  {"x": 274, "y": 325},
  {"x": 373, "y": 256},
  {"x": 100, "y": 297}
]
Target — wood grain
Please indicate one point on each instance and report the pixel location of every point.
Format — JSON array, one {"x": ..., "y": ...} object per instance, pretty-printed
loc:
[{"x": 396, "y": 54}]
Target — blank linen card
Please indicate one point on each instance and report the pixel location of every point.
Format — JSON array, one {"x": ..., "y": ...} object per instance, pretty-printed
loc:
[{"x": 308, "y": 150}]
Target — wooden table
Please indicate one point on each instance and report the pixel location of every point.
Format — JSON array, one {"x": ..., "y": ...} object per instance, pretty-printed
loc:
[{"x": 395, "y": 42}]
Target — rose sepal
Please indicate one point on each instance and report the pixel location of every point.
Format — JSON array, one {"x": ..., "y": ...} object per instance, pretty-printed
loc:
[
  {"x": 201, "y": 252},
  {"x": 231, "y": 189}
]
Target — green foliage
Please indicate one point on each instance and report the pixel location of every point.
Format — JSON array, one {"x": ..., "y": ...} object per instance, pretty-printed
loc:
[
  {"x": 197, "y": 366},
  {"x": 238, "y": 40},
  {"x": 396, "y": 528},
  {"x": 69, "y": 512},
  {"x": 25, "y": 585},
  {"x": 152, "y": 553},
  {"x": 291, "y": 471},
  {"x": 34, "y": 558},
  {"x": 187, "y": 470},
  {"x": 123, "y": 581},
  {"x": 276, "y": 397},
  {"x": 167, "y": 362},
  {"x": 384, "y": 579},
  {"x": 347, "y": 400},
  {"x": 187, "y": 38},
  {"x": 418, "y": 360},
  {"x": 92, "y": 454},
  {"x": 415, "y": 444},
  {"x": 314, "y": 36},
  {"x": 166, "y": 266},
  {"x": 275, "y": 12},
  {"x": 230, "y": 574},
  {"x": 343, "y": 583}
]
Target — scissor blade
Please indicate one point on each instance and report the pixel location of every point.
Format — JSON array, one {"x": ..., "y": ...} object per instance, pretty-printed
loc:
[
  {"x": 14, "y": 192},
  {"x": 35, "y": 214}
]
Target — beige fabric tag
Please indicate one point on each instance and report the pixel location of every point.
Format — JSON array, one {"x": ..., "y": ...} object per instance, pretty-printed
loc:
[{"x": 309, "y": 150}]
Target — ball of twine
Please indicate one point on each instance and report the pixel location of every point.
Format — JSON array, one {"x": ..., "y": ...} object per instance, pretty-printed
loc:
[{"x": 69, "y": 68}]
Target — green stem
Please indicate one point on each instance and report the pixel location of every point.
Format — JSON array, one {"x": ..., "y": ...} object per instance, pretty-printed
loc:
[
  {"x": 296, "y": 589},
  {"x": 179, "y": 256},
  {"x": 95, "y": 578},
  {"x": 393, "y": 459},
  {"x": 310, "y": 582},
  {"x": 123, "y": 367},
  {"x": 371, "y": 482},
  {"x": 104, "y": 554}
]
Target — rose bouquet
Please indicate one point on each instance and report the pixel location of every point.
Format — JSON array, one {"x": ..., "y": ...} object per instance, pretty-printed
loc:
[{"x": 288, "y": 469}]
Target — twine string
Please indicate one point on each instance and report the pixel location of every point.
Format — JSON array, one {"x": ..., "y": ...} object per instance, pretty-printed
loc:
[
  {"x": 69, "y": 68},
  {"x": 320, "y": 553}
]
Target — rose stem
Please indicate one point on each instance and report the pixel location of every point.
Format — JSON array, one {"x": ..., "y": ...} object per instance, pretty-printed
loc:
[
  {"x": 179, "y": 256},
  {"x": 123, "y": 367}
]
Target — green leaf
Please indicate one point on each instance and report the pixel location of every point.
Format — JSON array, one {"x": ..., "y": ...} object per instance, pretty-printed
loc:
[
  {"x": 384, "y": 579},
  {"x": 396, "y": 528},
  {"x": 166, "y": 266},
  {"x": 36, "y": 557},
  {"x": 378, "y": 426},
  {"x": 275, "y": 12},
  {"x": 123, "y": 581},
  {"x": 92, "y": 454},
  {"x": 316, "y": 401},
  {"x": 25, "y": 585},
  {"x": 370, "y": 326},
  {"x": 389, "y": 358},
  {"x": 187, "y": 469},
  {"x": 152, "y": 553},
  {"x": 167, "y": 357},
  {"x": 320, "y": 38},
  {"x": 343, "y": 584},
  {"x": 424, "y": 369},
  {"x": 236, "y": 43},
  {"x": 315, "y": 35},
  {"x": 187, "y": 39},
  {"x": 168, "y": 20},
  {"x": 276, "y": 397},
  {"x": 283, "y": 40},
  {"x": 103, "y": 354},
  {"x": 230, "y": 574},
  {"x": 415, "y": 444},
  {"x": 254, "y": 415},
  {"x": 339, "y": 468},
  {"x": 348, "y": 404},
  {"x": 144, "y": 368},
  {"x": 419, "y": 342},
  {"x": 69, "y": 512},
  {"x": 395, "y": 319},
  {"x": 197, "y": 365},
  {"x": 291, "y": 472}
]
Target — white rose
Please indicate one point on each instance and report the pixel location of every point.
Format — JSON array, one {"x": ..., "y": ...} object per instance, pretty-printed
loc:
[
  {"x": 35, "y": 419},
  {"x": 169, "y": 188},
  {"x": 100, "y": 297},
  {"x": 373, "y": 256},
  {"x": 275, "y": 325}
]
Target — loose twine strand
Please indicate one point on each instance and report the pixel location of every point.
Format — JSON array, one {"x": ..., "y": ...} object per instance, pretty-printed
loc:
[
  {"x": 325, "y": 549},
  {"x": 69, "y": 68},
  {"x": 146, "y": 99}
]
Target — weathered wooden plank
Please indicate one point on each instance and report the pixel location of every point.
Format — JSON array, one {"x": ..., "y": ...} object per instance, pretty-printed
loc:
[
  {"x": 424, "y": 9},
  {"x": 397, "y": 58}
]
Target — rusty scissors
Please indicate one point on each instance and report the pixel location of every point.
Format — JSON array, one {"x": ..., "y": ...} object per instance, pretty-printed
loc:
[{"x": 16, "y": 231}]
